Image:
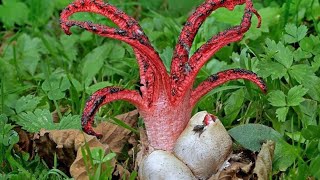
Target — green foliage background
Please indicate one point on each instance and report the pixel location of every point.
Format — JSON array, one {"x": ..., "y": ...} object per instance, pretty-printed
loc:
[{"x": 43, "y": 70}]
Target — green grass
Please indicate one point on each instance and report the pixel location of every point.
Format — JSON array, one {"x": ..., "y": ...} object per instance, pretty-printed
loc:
[{"x": 43, "y": 70}]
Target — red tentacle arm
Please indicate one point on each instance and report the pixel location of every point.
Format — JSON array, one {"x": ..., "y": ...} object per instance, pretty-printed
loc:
[
  {"x": 107, "y": 10},
  {"x": 206, "y": 51},
  {"x": 149, "y": 79},
  {"x": 222, "y": 77},
  {"x": 104, "y": 96},
  {"x": 184, "y": 72},
  {"x": 129, "y": 32},
  {"x": 191, "y": 27}
]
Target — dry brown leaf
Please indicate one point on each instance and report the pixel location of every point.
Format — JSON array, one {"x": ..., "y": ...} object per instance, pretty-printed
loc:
[
  {"x": 66, "y": 144},
  {"x": 7, "y": 35},
  {"x": 238, "y": 166},
  {"x": 142, "y": 148},
  {"x": 115, "y": 136},
  {"x": 67, "y": 138},
  {"x": 247, "y": 165},
  {"x": 121, "y": 172},
  {"x": 263, "y": 166},
  {"x": 232, "y": 171},
  {"x": 59, "y": 142},
  {"x": 78, "y": 168},
  {"x": 25, "y": 141}
]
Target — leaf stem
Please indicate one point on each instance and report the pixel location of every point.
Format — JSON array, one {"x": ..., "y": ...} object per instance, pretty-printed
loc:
[
  {"x": 57, "y": 108},
  {"x": 15, "y": 61},
  {"x": 313, "y": 18},
  {"x": 2, "y": 95}
]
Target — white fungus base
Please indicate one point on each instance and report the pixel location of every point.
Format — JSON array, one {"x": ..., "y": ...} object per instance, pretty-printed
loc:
[
  {"x": 194, "y": 156},
  {"x": 203, "y": 153},
  {"x": 162, "y": 165}
]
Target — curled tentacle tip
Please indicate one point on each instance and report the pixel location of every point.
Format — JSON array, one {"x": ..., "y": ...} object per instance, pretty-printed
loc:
[
  {"x": 65, "y": 27},
  {"x": 263, "y": 86},
  {"x": 67, "y": 31},
  {"x": 265, "y": 90},
  {"x": 99, "y": 136},
  {"x": 91, "y": 132},
  {"x": 254, "y": 11},
  {"x": 258, "y": 16}
]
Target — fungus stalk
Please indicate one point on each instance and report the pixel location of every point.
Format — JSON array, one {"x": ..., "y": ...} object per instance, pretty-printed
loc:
[{"x": 166, "y": 100}]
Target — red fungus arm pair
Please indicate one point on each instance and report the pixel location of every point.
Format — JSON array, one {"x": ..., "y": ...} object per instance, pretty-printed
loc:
[
  {"x": 129, "y": 31},
  {"x": 183, "y": 77}
]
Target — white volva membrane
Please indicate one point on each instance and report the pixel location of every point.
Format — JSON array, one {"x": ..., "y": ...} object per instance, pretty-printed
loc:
[
  {"x": 163, "y": 165},
  {"x": 197, "y": 155},
  {"x": 203, "y": 153}
]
